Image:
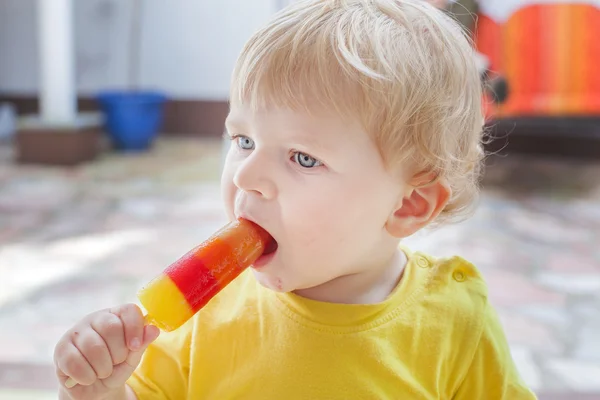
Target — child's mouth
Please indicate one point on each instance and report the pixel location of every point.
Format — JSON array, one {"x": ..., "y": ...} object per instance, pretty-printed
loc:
[
  {"x": 268, "y": 254},
  {"x": 271, "y": 247}
]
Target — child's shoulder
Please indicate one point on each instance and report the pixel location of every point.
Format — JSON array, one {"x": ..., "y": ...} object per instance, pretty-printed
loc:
[
  {"x": 455, "y": 272},
  {"x": 451, "y": 291},
  {"x": 448, "y": 275},
  {"x": 451, "y": 307}
]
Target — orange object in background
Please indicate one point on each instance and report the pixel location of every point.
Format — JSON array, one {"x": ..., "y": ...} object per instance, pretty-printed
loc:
[{"x": 548, "y": 54}]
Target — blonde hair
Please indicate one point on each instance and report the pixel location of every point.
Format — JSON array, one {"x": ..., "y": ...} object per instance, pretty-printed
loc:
[{"x": 402, "y": 67}]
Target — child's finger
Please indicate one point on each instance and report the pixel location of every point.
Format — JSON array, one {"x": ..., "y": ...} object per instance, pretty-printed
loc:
[
  {"x": 94, "y": 349},
  {"x": 123, "y": 371},
  {"x": 151, "y": 333},
  {"x": 73, "y": 364},
  {"x": 111, "y": 328},
  {"x": 133, "y": 321},
  {"x": 64, "y": 379}
]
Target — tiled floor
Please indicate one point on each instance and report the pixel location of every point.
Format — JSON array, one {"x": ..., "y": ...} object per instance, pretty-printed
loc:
[{"x": 76, "y": 240}]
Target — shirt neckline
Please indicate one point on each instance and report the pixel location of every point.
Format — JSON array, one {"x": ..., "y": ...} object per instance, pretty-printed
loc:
[{"x": 349, "y": 318}]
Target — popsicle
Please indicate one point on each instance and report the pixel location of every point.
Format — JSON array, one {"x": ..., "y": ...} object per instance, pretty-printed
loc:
[
  {"x": 189, "y": 283},
  {"x": 184, "y": 287}
]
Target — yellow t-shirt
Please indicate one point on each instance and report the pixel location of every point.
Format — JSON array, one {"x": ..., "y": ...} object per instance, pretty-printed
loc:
[{"x": 435, "y": 337}]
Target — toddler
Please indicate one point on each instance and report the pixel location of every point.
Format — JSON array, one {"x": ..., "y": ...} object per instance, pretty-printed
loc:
[{"x": 353, "y": 125}]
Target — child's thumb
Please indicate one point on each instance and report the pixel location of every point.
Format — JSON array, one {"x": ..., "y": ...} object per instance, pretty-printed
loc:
[
  {"x": 151, "y": 333},
  {"x": 123, "y": 371}
]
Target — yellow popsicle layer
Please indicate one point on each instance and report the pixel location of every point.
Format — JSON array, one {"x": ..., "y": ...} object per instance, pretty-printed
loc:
[{"x": 165, "y": 304}]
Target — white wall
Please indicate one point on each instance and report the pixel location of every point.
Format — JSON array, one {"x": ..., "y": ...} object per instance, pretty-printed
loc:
[
  {"x": 188, "y": 46},
  {"x": 18, "y": 61}
]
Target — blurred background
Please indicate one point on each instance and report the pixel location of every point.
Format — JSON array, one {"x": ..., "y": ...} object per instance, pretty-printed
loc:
[{"x": 111, "y": 115}]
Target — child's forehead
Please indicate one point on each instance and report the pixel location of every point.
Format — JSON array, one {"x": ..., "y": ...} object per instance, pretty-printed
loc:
[{"x": 302, "y": 120}]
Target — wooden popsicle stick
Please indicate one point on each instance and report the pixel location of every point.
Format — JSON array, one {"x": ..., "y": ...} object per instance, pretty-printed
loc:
[{"x": 71, "y": 383}]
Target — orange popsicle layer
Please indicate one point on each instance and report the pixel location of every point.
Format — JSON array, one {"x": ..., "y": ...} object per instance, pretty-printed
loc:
[{"x": 189, "y": 283}]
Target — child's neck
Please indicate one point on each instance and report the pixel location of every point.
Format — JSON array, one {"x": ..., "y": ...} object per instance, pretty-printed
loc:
[{"x": 373, "y": 285}]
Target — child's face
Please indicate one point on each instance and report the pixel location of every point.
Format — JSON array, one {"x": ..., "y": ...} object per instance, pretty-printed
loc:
[{"x": 318, "y": 185}]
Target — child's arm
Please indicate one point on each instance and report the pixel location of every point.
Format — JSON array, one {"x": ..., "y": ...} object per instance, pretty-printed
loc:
[{"x": 492, "y": 374}]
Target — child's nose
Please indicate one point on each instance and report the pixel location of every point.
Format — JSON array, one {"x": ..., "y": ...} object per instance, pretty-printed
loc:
[{"x": 254, "y": 174}]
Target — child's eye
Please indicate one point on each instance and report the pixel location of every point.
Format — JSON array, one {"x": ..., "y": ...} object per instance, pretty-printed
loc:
[
  {"x": 306, "y": 161},
  {"x": 244, "y": 142}
]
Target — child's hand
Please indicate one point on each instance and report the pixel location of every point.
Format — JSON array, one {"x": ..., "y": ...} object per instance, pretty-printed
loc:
[{"x": 101, "y": 352}]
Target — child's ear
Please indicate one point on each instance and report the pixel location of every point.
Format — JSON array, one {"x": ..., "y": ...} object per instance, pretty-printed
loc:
[{"x": 420, "y": 205}]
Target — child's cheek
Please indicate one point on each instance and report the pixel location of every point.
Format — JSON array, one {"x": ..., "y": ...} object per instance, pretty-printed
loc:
[
  {"x": 228, "y": 201},
  {"x": 315, "y": 224},
  {"x": 228, "y": 192}
]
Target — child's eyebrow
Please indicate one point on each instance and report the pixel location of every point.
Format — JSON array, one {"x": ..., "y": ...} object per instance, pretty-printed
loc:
[
  {"x": 310, "y": 141},
  {"x": 301, "y": 137},
  {"x": 233, "y": 123}
]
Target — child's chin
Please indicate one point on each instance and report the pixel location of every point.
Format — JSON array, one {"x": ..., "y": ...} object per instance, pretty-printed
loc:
[{"x": 269, "y": 281}]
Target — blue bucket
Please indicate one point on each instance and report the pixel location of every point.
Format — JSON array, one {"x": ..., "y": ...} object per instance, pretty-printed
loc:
[{"x": 132, "y": 119}]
